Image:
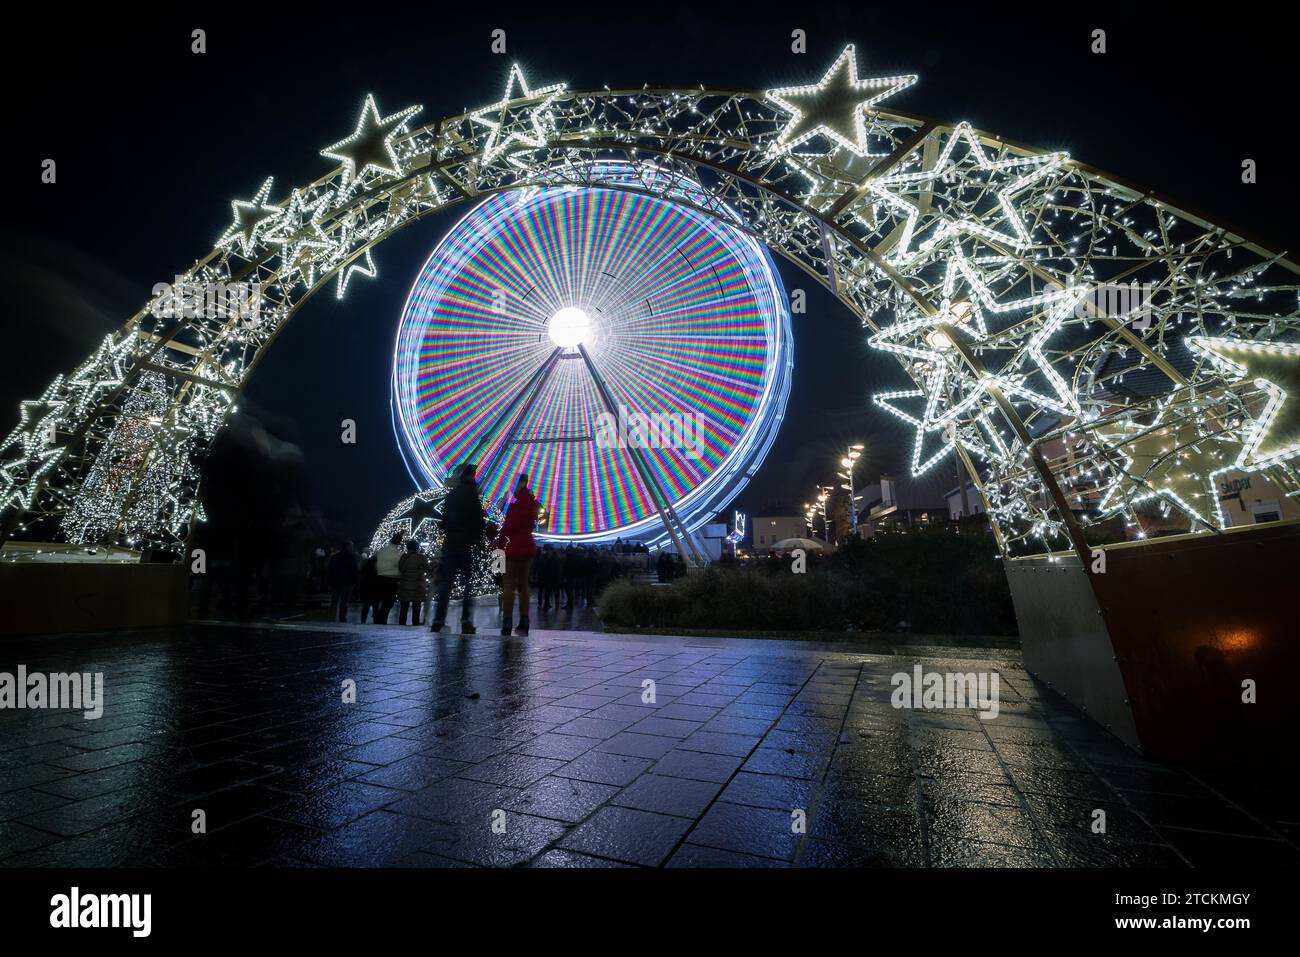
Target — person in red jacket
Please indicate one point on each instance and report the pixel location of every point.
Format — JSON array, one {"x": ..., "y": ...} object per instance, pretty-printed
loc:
[{"x": 516, "y": 539}]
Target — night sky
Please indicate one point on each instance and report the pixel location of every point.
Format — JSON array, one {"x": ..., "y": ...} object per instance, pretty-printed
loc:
[{"x": 153, "y": 142}]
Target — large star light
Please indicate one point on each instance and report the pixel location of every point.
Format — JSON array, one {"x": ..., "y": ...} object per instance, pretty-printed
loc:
[
  {"x": 251, "y": 218},
  {"x": 835, "y": 106},
  {"x": 370, "y": 147},
  {"x": 1178, "y": 461},
  {"x": 521, "y": 123},
  {"x": 1274, "y": 436},
  {"x": 973, "y": 168}
]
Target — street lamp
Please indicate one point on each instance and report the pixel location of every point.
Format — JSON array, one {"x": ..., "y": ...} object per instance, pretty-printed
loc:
[
  {"x": 823, "y": 496},
  {"x": 850, "y": 460}
]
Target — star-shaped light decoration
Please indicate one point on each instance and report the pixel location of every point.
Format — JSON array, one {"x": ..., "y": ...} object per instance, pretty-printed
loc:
[
  {"x": 834, "y": 106},
  {"x": 1008, "y": 177},
  {"x": 951, "y": 389},
  {"x": 36, "y": 455},
  {"x": 300, "y": 236},
  {"x": 370, "y": 147},
  {"x": 365, "y": 265},
  {"x": 1177, "y": 460},
  {"x": 968, "y": 290},
  {"x": 348, "y": 236},
  {"x": 1274, "y": 436},
  {"x": 522, "y": 123},
  {"x": 103, "y": 372},
  {"x": 251, "y": 218}
]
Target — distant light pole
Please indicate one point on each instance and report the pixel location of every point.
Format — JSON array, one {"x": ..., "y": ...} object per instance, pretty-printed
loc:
[
  {"x": 849, "y": 462},
  {"x": 823, "y": 496}
]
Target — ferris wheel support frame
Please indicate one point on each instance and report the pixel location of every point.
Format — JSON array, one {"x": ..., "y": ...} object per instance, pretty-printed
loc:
[
  {"x": 663, "y": 504},
  {"x": 516, "y": 410}
]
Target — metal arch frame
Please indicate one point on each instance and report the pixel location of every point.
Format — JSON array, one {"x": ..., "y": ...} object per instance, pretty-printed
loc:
[{"x": 723, "y": 136}]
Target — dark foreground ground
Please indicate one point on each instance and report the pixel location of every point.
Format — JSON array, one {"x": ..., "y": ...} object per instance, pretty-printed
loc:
[{"x": 500, "y": 752}]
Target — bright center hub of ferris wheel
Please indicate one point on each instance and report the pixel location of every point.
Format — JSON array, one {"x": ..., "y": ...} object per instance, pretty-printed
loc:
[{"x": 569, "y": 327}]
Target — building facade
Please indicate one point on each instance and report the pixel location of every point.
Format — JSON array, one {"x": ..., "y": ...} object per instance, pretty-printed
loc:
[
  {"x": 766, "y": 530},
  {"x": 898, "y": 503}
]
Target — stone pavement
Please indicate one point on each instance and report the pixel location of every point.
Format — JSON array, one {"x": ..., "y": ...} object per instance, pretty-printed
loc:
[{"x": 542, "y": 752}]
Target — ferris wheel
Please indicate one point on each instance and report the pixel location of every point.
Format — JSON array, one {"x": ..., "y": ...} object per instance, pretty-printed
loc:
[{"x": 628, "y": 351}]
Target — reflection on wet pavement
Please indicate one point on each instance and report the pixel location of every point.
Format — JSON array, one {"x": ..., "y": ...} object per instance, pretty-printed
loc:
[{"x": 547, "y": 751}]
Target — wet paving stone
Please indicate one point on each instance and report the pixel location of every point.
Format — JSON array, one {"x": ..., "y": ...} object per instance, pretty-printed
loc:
[
  {"x": 1088, "y": 787},
  {"x": 787, "y": 762},
  {"x": 629, "y": 835},
  {"x": 1099, "y": 850},
  {"x": 605, "y": 768},
  {"x": 666, "y": 795},
  {"x": 413, "y": 773},
  {"x": 520, "y": 838},
  {"x": 729, "y": 724},
  {"x": 638, "y": 745},
  {"x": 698, "y": 765},
  {"x": 665, "y": 727},
  {"x": 817, "y": 853},
  {"x": 859, "y": 823},
  {"x": 470, "y": 748},
  {"x": 573, "y": 860},
  {"x": 220, "y": 809},
  {"x": 562, "y": 747},
  {"x": 78, "y": 817},
  {"x": 718, "y": 743},
  {"x": 984, "y": 789},
  {"x": 455, "y": 800},
  {"x": 975, "y": 821},
  {"x": 247, "y": 843},
  {"x": 1071, "y": 817},
  {"x": 952, "y": 852},
  {"x": 1201, "y": 815},
  {"x": 34, "y": 775},
  {"x": 128, "y": 843},
  {"x": 587, "y": 727},
  {"x": 385, "y": 751},
  {"x": 512, "y": 770},
  {"x": 16, "y": 838},
  {"x": 764, "y": 832},
  {"x": 335, "y": 806},
  {"x": 425, "y": 859},
  {"x": 309, "y": 778},
  {"x": 212, "y": 777},
  {"x": 562, "y": 799},
  {"x": 467, "y": 752},
  {"x": 378, "y": 839},
  {"x": 697, "y": 855},
  {"x": 770, "y": 791},
  {"x": 16, "y": 804}
]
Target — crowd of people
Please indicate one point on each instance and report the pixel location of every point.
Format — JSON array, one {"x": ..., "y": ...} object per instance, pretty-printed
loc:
[{"x": 400, "y": 575}]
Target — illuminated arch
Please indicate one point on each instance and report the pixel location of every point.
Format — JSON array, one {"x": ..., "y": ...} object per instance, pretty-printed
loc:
[{"x": 981, "y": 264}]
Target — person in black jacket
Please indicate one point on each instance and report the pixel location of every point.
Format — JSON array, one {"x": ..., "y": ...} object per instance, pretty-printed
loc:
[
  {"x": 342, "y": 574},
  {"x": 569, "y": 566},
  {"x": 368, "y": 587},
  {"x": 664, "y": 567},
  {"x": 548, "y": 579},
  {"x": 463, "y": 523}
]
